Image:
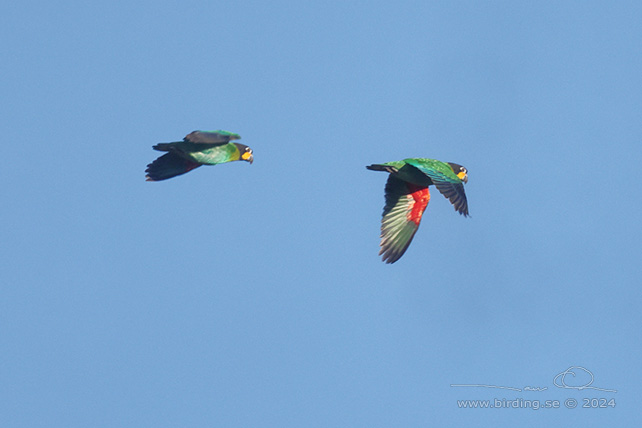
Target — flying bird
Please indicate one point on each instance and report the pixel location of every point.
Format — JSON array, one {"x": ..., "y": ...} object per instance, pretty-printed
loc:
[
  {"x": 197, "y": 148},
  {"x": 407, "y": 197}
]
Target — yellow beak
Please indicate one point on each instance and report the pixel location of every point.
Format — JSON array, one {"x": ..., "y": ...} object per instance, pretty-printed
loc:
[{"x": 247, "y": 156}]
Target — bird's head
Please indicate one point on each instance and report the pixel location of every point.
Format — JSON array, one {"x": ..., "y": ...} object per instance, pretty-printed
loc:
[
  {"x": 460, "y": 171},
  {"x": 245, "y": 153}
]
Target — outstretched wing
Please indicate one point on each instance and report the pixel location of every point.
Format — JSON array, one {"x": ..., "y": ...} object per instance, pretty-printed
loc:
[
  {"x": 405, "y": 204},
  {"x": 211, "y": 137},
  {"x": 169, "y": 165},
  {"x": 445, "y": 181}
]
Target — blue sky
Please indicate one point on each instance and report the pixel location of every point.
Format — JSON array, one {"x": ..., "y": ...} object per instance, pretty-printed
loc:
[{"x": 253, "y": 296}]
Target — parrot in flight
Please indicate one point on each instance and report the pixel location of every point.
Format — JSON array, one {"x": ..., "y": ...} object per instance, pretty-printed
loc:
[
  {"x": 197, "y": 148},
  {"x": 407, "y": 197}
]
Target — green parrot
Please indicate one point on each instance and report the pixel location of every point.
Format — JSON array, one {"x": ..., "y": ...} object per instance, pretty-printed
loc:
[
  {"x": 197, "y": 148},
  {"x": 407, "y": 197}
]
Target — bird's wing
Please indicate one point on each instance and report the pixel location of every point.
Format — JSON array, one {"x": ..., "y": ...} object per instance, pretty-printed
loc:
[
  {"x": 211, "y": 137},
  {"x": 169, "y": 165},
  {"x": 445, "y": 181},
  {"x": 405, "y": 204}
]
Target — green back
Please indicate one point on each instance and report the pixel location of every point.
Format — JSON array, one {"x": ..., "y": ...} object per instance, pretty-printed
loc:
[
  {"x": 210, "y": 155},
  {"x": 232, "y": 135},
  {"x": 436, "y": 170},
  {"x": 445, "y": 179}
]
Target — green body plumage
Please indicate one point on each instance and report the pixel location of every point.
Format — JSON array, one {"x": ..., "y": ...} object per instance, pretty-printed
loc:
[
  {"x": 203, "y": 153},
  {"x": 197, "y": 148},
  {"x": 407, "y": 197},
  {"x": 420, "y": 171}
]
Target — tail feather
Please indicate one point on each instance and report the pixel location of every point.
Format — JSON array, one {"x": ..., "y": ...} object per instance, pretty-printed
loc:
[
  {"x": 163, "y": 147},
  {"x": 169, "y": 165},
  {"x": 387, "y": 168}
]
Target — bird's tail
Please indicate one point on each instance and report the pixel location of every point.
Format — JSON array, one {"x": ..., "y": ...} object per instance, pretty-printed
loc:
[
  {"x": 387, "y": 168},
  {"x": 164, "y": 147},
  {"x": 167, "y": 166}
]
